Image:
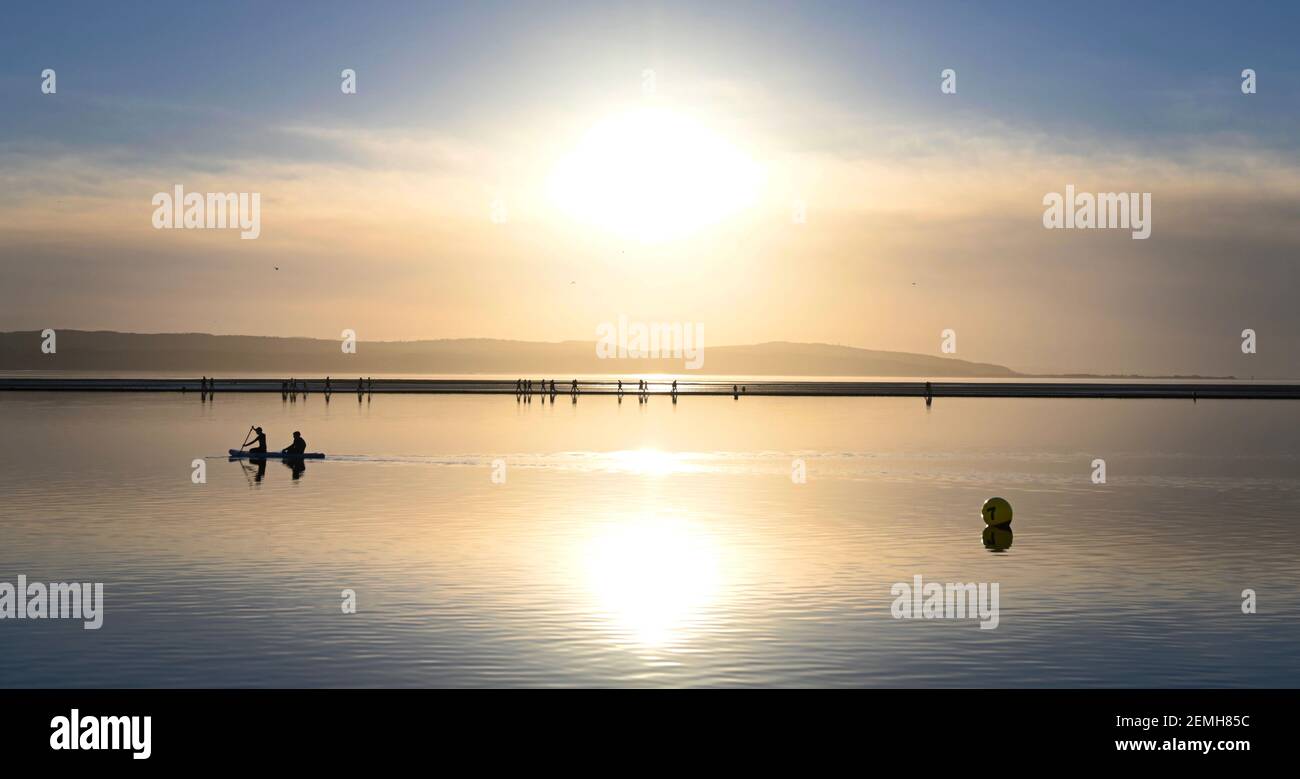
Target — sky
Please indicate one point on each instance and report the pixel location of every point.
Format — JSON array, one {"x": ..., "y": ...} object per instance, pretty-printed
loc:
[{"x": 772, "y": 171}]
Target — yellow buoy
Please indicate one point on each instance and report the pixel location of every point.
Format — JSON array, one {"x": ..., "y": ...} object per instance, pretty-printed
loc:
[{"x": 996, "y": 512}]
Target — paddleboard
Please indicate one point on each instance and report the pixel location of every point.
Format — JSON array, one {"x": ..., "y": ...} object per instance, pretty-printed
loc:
[{"x": 276, "y": 455}]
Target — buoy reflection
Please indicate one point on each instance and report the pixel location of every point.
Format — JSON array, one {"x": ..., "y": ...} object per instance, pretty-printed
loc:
[{"x": 997, "y": 539}]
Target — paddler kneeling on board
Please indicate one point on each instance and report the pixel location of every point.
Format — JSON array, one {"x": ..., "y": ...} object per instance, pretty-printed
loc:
[
  {"x": 298, "y": 446},
  {"x": 259, "y": 443}
]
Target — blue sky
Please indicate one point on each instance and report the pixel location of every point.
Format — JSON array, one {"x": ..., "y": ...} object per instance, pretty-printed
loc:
[{"x": 1137, "y": 72}]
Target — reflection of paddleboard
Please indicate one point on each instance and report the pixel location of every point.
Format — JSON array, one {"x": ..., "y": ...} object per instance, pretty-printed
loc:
[
  {"x": 276, "y": 455},
  {"x": 996, "y": 512}
]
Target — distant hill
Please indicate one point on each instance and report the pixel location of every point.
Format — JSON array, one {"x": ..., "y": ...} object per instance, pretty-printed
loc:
[{"x": 80, "y": 350}]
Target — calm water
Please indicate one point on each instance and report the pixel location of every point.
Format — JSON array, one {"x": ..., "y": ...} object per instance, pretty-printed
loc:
[{"x": 651, "y": 545}]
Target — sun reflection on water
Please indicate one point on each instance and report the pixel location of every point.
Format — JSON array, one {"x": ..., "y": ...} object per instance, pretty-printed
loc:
[
  {"x": 654, "y": 577},
  {"x": 646, "y": 462}
]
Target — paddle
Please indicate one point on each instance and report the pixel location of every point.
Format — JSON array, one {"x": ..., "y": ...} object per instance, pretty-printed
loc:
[{"x": 241, "y": 446}]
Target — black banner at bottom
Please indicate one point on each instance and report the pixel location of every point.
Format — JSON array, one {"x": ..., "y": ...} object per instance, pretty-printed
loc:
[{"x": 534, "y": 728}]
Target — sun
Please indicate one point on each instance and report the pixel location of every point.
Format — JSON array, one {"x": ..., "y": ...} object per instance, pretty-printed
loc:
[{"x": 652, "y": 175}]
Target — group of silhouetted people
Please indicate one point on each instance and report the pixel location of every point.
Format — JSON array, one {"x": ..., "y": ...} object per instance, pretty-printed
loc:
[
  {"x": 290, "y": 389},
  {"x": 207, "y": 388},
  {"x": 526, "y": 388}
]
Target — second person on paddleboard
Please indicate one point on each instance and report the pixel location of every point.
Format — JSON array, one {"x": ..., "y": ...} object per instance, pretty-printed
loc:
[{"x": 298, "y": 446}]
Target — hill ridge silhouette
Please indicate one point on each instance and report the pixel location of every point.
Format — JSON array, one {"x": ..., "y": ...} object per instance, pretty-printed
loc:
[{"x": 206, "y": 353}]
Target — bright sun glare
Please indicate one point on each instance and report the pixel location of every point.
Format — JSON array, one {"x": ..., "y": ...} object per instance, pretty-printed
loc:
[
  {"x": 653, "y": 175},
  {"x": 655, "y": 578}
]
